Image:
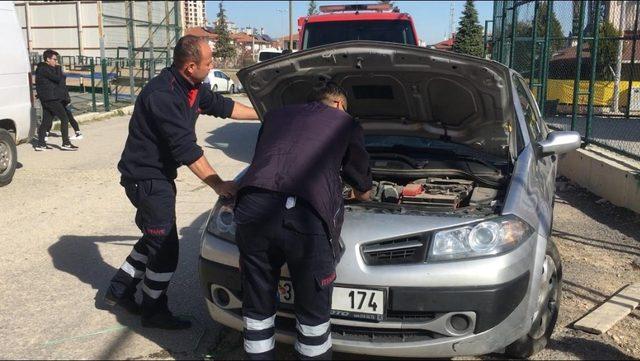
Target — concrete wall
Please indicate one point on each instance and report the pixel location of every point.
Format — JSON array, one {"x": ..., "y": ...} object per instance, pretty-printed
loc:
[{"x": 604, "y": 176}]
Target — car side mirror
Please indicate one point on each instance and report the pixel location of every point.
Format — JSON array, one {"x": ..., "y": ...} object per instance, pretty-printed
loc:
[{"x": 559, "y": 142}]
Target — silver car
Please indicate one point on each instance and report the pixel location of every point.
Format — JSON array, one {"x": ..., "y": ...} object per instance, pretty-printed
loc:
[{"x": 453, "y": 256}]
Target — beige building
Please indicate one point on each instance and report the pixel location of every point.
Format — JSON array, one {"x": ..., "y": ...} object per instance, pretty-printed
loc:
[{"x": 194, "y": 13}]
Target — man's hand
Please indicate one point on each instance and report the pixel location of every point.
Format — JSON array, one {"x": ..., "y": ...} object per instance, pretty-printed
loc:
[
  {"x": 365, "y": 197},
  {"x": 226, "y": 189}
]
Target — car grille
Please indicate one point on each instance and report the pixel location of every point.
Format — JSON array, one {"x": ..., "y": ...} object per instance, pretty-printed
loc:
[
  {"x": 363, "y": 333},
  {"x": 396, "y": 251},
  {"x": 410, "y": 316}
]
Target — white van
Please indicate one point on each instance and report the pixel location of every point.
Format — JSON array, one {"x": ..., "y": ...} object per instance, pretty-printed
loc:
[{"x": 16, "y": 105}]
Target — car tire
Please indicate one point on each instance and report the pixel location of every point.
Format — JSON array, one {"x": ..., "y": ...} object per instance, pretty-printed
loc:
[
  {"x": 232, "y": 90},
  {"x": 215, "y": 88},
  {"x": 548, "y": 308},
  {"x": 8, "y": 157}
]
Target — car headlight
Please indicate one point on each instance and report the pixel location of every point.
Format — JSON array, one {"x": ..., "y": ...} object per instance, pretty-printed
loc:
[
  {"x": 221, "y": 222},
  {"x": 486, "y": 238}
]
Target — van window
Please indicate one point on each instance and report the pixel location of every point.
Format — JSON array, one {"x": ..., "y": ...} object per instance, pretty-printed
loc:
[
  {"x": 393, "y": 31},
  {"x": 268, "y": 55}
]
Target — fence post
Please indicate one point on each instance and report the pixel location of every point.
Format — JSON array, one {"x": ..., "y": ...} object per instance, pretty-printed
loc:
[
  {"x": 105, "y": 84},
  {"x": 502, "y": 28},
  {"x": 633, "y": 58},
  {"x": 514, "y": 20},
  {"x": 534, "y": 43},
  {"x": 592, "y": 80},
  {"x": 576, "y": 82},
  {"x": 92, "y": 67},
  {"x": 545, "y": 61}
]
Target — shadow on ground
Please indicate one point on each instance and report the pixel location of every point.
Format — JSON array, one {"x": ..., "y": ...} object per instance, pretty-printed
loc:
[
  {"x": 80, "y": 256},
  {"x": 236, "y": 140}
]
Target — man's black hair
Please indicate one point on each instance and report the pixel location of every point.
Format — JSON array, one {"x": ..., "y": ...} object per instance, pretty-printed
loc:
[
  {"x": 48, "y": 54},
  {"x": 187, "y": 49},
  {"x": 328, "y": 91}
]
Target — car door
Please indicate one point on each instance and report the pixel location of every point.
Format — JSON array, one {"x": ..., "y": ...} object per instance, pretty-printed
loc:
[{"x": 543, "y": 171}]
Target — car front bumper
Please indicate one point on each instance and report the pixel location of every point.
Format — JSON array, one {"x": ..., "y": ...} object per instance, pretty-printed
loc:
[{"x": 418, "y": 321}]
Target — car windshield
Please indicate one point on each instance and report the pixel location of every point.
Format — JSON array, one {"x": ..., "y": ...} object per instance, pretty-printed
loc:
[
  {"x": 417, "y": 143},
  {"x": 394, "y": 31},
  {"x": 267, "y": 55}
]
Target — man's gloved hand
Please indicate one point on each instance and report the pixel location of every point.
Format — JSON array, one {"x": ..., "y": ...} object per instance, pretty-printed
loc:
[
  {"x": 226, "y": 189},
  {"x": 365, "y": 197}
]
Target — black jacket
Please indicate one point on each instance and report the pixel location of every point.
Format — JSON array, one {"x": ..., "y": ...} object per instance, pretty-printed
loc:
[
  {"x": 48, "y": 82},
  {"x": 303, "y": 150},
  {"x": 162, "y": 133}
]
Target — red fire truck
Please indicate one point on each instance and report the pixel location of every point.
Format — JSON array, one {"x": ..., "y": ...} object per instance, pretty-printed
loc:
[{"x": 336, "y": 23}]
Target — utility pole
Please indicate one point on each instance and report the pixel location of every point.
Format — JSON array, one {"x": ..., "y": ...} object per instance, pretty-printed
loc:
[
  {"x": 101, "y": 30},
  {"x": 290, "y": 25},
  {"x": 451, "y": 21}
]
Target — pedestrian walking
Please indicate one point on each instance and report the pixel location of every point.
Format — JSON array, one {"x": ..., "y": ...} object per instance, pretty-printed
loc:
[
  {"x": 49, "y": 80},
  {"x": 290, "y": 210},
  {"x": 63, "y": 92},
  {"x": 162, "y": 138}
]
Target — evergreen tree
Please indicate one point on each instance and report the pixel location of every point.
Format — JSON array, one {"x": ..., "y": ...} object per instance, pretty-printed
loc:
[
  {"x": 313, "y": 8},
  {"x": 469, "y": 36},
  {"x": 607, "y": 51},
  {"x": 224, "y": 48}
]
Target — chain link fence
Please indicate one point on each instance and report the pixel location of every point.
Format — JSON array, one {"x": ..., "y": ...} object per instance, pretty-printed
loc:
[
  {"x": 581, "y": 61},
  {"x": 109, "y": 49}
]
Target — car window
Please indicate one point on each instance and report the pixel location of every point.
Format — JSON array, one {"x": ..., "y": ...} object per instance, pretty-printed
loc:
[
  {"x": 266, "y": 55},
  {"x": 535, "y": 127},
  {"x": 394, "y": 31},
  {"x": 217, "y": 74}
]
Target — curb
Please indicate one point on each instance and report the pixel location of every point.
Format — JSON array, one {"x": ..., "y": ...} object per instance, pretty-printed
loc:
[{"x": 93, "y": 117}]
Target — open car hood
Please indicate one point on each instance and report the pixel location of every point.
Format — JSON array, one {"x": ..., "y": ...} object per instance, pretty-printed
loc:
[{"x": 396, "y": 89}]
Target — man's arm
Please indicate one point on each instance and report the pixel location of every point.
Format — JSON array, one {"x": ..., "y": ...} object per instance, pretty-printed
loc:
[
  {"x": 215, "y": 104},
  {"x": 241, "y": 111},
  {"x": 49, "y": 73},
  {"x": 355, "y": 165},
  {"x": 203, "y": 170}
]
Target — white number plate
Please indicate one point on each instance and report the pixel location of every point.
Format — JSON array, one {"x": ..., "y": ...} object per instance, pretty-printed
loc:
[{"x": 352, "y": 300}]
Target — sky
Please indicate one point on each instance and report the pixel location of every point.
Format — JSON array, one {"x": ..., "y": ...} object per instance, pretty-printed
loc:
[{"x": 431, "y": 18}]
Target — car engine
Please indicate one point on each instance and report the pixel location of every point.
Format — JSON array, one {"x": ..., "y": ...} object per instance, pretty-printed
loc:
[{"x": 437, "y": 193}]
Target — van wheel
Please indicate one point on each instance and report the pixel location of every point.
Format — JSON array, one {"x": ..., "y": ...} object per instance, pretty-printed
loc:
[
  {"x": 8, "y": 157},
  {"x": 548, "y": 307}
]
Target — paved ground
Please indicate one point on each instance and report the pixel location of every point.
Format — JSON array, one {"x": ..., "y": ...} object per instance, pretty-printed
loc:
[{"x": 65, "y": 226}]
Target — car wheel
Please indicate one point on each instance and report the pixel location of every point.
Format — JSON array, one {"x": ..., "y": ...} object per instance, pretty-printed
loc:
[
  {"x": 232, "y": 90},
  {"x": 215, "y": 88},
  {"x": 548, "y": 308},
  {"x": 8, "y": 157}
]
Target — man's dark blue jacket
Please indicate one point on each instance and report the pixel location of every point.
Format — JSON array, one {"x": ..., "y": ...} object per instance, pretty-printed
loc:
[
  {"x": 303, "y": 150},
  {"x": 162, "y": 133}
]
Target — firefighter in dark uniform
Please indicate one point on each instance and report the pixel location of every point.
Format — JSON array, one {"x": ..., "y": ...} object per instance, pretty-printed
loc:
[
  {"x": 162, "y": 138},
  {"x": 290, "y": 210}
]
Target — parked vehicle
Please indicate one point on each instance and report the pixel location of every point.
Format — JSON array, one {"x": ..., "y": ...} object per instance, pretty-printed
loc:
[
  {"x": 268, "y": 54},
  {"x": 335, "y": 23},
  {"x": 16, "y": 99},
  {"x": 454, "y": 256},
  {"x": 219, "y": 81}
]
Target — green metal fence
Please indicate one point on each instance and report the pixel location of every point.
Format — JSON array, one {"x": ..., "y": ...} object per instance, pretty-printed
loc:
[{"x": 581, "y": 61}]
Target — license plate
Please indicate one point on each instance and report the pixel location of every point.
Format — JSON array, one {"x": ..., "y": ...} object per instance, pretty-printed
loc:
[{"x": 346, "y": 301}]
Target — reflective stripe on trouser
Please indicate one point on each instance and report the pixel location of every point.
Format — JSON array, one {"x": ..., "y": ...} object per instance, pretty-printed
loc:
[
  {"x": 313, "y": 341},
  {"x": 259, "y": 337},
  {"x": 131, "y": 272},
  {"x": 163, "y": 260}
]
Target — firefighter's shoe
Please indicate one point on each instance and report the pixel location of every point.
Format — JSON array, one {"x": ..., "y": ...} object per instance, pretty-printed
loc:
[
  {"x": 166, "y": 321},
  {"x": 128, "y": 303}
]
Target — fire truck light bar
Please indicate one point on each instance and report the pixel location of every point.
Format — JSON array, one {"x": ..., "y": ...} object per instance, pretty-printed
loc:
[{"x": 355, "y": 7}]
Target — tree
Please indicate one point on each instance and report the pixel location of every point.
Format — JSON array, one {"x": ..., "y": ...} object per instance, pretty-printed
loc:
[
  {"x": 224, "y": 48},
  {"x": 607, "y": 50},
  {"x": 469, "y": 36},
  {"x": 524, "y": 40},
  {"x": 313, "y": 8}
]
